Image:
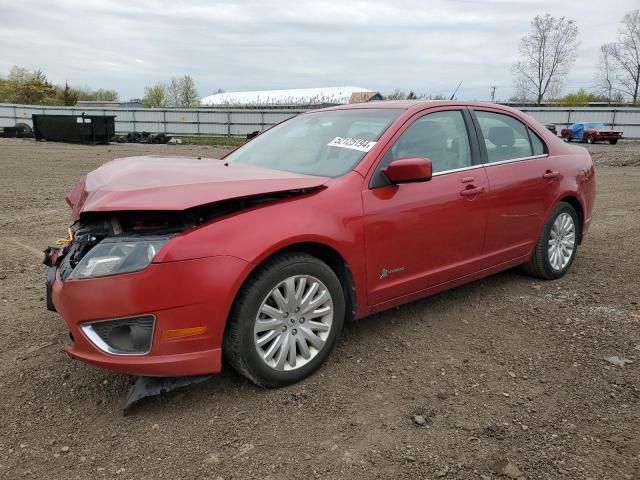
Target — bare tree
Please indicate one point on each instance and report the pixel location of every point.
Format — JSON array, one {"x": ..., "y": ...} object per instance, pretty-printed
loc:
[
  {"x": 606, "y": 71},
  {"x": 546, "y": 55},
  {"x": 396, "y": 95},
  {"x": 174, "y": 92},
  {"x": 624, "y": 55}
]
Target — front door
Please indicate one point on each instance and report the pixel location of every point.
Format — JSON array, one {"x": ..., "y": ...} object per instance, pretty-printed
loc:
[{"x": 418, "y": 235}]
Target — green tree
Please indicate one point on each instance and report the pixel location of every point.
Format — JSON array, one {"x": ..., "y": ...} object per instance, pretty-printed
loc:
[
  {"x": 579, "y": 98},
  {"x": 27, "y": 87},
  {"x": 155, "y": 96},
  {"x": 576, "y": 99},
  {"x": 32, "y": 87},
  {"x": 69, "y": 96},
  {"x": 189, "y": 97},
  {"x": 182, "y": 92},
  {"x": 105, "y": 95}
]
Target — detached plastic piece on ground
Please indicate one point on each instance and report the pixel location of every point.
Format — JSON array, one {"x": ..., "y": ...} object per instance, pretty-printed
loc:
[{"x": 144, "y": 387}]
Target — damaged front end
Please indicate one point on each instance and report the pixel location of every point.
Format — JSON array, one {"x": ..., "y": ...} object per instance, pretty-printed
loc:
[
  {"x": 99, "y": 244},
  {"x": 108, "y": 244}
]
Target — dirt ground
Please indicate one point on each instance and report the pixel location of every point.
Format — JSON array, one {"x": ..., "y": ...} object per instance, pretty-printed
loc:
[{"x": 507, "y": 369}]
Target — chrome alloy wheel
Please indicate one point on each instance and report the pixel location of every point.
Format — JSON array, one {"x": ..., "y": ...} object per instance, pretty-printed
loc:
[
  {"x": 293, "y": 322},
  {"x": 562, "y": 241}
]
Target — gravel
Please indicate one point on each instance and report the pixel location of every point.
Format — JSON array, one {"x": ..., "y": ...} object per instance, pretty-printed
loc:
[{"x": 449, "y": 359}]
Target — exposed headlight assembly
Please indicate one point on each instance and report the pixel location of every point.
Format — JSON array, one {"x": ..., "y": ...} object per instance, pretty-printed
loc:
[{"x": 113, "y": 256}]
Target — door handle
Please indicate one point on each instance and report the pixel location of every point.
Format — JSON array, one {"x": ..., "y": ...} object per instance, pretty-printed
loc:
[
  {"x": 548, "y": 175},
  {"x": 468, "y": 192}
]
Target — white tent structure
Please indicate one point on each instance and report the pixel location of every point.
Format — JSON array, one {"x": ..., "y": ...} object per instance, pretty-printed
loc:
[{"x": 297, "y": 96}]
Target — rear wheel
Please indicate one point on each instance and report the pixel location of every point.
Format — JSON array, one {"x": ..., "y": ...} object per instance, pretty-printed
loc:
[
  {"x": 567, "y": 138},
  {"x": 556, "y": 248},
  {"x": 613, "y": 142},
  {"x": 285, "y": 321},
  {"x": 590, "y": 139}
]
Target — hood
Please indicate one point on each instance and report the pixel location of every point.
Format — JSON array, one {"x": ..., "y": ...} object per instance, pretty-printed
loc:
[{"x": 177, "y": 183}]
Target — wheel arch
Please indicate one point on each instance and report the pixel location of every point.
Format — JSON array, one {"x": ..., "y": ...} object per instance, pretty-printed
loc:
[
  {"x": 578, "y": 207},
  {"x": 329, "y": 255}
]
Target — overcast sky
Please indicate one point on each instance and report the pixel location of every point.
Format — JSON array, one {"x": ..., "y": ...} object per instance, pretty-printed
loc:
[{"x": 425, "y": 46}]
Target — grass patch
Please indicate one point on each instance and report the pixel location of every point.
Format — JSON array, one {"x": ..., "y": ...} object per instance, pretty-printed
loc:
[{"x": 218, "y": 141}]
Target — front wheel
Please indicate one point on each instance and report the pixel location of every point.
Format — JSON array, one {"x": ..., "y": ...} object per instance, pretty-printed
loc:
[
  {"x": 613, "y": 142},
  {"x": 285, "y": 321},
  {"x": 556, "y": 248}
]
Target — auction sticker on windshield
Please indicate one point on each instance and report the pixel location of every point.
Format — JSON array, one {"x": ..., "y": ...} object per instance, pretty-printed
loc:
[{"x": 352, "y": 143}]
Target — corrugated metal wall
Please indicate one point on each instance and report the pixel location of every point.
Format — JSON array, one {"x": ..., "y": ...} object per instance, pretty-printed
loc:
[
  {"x": 239, "y": 122},
  {"x": 211, "y": 122}
]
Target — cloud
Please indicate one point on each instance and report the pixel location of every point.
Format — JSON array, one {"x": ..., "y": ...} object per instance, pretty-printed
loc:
[{"x": 426, "y": 46}]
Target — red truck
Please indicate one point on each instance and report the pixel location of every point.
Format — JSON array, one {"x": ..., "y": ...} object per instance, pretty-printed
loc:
[{"x": 590, "y": 132}]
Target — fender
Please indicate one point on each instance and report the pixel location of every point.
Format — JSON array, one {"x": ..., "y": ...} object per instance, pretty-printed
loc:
[{"x": 254, "y": 235}]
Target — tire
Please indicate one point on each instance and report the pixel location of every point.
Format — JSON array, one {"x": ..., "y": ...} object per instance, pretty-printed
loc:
[
  {"x": 613, "y": 142},
  {"x": 590, "y": 139},
  {"x": 241, "y": 344},
  {"x": 540, "y": 264},
  {"x": 567, "y": 138}
]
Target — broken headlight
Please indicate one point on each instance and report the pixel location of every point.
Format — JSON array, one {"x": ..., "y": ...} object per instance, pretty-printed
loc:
[{"x": 113, "y": 256}]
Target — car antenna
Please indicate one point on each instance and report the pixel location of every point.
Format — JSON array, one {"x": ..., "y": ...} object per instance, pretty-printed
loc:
[{"x": 456, "y": 90}]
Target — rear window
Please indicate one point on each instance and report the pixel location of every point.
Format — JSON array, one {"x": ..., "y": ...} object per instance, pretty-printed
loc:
[
  {"x": 537, "y": 144},
  {"x": 505, "y": 138}
]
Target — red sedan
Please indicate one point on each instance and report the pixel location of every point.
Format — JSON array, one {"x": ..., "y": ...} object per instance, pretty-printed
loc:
[{"x": 330, "y": 216}]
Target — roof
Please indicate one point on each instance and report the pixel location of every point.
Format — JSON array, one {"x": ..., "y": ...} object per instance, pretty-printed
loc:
[
  {"x": 416, "y": 105},
  {"x": 309, "y": 96}
]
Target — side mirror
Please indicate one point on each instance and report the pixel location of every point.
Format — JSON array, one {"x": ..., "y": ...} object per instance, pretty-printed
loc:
[{"x": 408, "y": 170}]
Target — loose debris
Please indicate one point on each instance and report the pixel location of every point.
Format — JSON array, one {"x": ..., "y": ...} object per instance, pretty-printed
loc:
[
  {"x": 615, "y": 360},
  {"x": 146, "y": 137},
  {"x": 505, "y": 467},
  {"x": 442, "y": 472},
  {"x": 21, "y": 130},
  {"x": 419, "y": 421},
  {"x": 144, "y": 387}
]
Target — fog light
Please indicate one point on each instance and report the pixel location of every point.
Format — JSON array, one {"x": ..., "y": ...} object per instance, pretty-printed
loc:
[{"x": 124, "y": 336}]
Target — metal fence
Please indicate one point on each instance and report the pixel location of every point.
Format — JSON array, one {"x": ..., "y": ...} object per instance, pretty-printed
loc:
[
  {"x": 240, "y": 121},
  {"x": 196, "y": 122}
]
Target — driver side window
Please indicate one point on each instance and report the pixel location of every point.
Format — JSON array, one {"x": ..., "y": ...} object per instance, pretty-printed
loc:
[{"x": 441, "y": 137}]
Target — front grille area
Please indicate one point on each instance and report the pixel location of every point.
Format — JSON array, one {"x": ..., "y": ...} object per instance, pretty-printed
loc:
[{"x": 126, "y": 336}]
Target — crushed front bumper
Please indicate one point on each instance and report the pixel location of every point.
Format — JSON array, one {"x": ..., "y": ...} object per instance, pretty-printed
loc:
[{"x": 183, "y": 296}]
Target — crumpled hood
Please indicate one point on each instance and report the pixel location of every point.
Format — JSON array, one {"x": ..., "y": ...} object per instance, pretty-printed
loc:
[{"x": 176, "y": 183}]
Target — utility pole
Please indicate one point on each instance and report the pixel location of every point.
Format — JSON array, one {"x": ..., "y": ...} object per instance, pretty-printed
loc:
[{"x": 493, "y": 93}]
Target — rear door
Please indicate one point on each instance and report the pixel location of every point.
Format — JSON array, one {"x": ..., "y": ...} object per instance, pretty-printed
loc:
[
  {"x": 522, "y": 184},
  {"x": 418, "y": 235}
]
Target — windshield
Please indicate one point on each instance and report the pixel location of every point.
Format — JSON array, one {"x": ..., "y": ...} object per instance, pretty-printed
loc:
[
  {"x": 599, "y": 125},
  {"x": 328, "y": 143}
]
